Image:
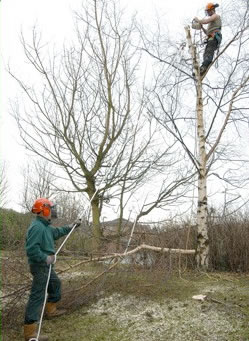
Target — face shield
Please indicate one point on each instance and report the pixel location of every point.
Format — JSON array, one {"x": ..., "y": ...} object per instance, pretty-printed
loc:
[
  {"x": 209, "y": 12},
  {"x": 54, "y": 212}
]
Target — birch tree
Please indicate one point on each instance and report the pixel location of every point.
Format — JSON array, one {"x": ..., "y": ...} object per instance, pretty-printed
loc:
[{"x": 205, "y": 131}]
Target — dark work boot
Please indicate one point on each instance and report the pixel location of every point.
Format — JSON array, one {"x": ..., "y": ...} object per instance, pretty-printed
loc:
[{"x": 203, "y": 70}]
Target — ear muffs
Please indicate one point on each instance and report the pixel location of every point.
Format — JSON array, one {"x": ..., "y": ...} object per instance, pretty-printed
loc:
[{"x": 46, "y": 211}]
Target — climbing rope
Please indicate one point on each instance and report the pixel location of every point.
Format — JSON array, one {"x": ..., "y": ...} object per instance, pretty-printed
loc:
[
  {"x": 132, "y": 231},
  {"x": 217, "y": 53}
]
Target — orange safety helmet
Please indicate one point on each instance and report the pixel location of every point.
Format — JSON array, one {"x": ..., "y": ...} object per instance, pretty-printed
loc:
[
  {"x": 45, "y": 206},
  {"x": 210, "y": 6}
]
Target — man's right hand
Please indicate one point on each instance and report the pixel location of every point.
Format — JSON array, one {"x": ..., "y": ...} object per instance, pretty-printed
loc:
[
  {"x": 76, "y": 224},
  {"x": 50, "y": 259}
]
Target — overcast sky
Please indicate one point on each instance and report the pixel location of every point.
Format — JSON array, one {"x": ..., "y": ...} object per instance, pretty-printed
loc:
[{"x": 54, "y": 18}]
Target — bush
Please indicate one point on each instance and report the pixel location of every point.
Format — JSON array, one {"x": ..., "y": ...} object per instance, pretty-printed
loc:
[
  {"x": 14, "y": 226},
  {"x": 229, "y": 244},
  {"x": 229, "y": 241}
]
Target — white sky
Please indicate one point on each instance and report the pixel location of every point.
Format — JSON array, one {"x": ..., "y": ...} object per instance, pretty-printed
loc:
[{"x": 54, "y": 19}]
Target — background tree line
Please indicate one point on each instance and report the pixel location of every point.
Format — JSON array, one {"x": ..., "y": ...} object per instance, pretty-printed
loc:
[{"x": 228, "y": 235}]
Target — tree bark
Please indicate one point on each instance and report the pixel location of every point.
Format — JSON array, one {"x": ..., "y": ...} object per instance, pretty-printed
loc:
[
  {"x": 202, "y": 254},
  {"x": 96, "y": 231}
]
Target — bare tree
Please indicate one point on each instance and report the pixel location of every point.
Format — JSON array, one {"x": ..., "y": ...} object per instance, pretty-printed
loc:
[
  {"x": 71, "y": 207},
  {"x": 4, "y": 186},
  {"x": 86, "y": 114},
  {"x": 204, "y": 131},
  {"x": 38, "y": 182}
]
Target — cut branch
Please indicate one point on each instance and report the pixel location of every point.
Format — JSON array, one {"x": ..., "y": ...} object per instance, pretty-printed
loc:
[{"x": 137, "y": 249}]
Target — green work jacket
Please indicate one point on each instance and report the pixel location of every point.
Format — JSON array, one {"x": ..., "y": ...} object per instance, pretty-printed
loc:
[{"x": 40, "y": 240}]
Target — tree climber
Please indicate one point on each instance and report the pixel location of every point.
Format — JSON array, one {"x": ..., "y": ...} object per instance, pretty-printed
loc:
[
  {"x": 41, "y": 253},
  {"x": 213, "y": 33}
]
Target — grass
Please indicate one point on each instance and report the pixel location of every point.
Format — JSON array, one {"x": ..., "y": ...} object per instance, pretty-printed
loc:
[{"x": 228, "y": 296}]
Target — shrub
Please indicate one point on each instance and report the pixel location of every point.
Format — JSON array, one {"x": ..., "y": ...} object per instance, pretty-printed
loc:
[{"x": 13, "y": 227}]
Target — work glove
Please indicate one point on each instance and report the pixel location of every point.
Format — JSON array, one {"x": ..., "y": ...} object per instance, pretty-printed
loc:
[
  {"x": 51, "y": 259},
  {"x": 77, "y": 223}
]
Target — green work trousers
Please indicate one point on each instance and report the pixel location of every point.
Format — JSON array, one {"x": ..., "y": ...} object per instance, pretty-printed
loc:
[{"x": 37, "y": 293}]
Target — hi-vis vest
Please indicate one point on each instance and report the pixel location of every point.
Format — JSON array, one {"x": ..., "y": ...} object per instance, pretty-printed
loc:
[{"x": 214, "y": 26}]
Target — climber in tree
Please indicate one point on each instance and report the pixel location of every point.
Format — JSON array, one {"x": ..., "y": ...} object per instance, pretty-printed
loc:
[{"x": 213, "y": 33}]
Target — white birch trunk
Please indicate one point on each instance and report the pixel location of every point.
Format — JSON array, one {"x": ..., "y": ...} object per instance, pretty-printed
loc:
[{"x": 202, "y": 254}]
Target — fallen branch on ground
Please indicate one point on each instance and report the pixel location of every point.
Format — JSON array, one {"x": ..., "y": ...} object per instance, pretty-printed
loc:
[{"x": 125, "y": 254}]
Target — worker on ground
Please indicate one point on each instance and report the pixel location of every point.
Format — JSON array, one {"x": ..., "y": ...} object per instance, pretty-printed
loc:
[
  {"x": 40, "y": 251},
  {"x": 213, "y": 33}
]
